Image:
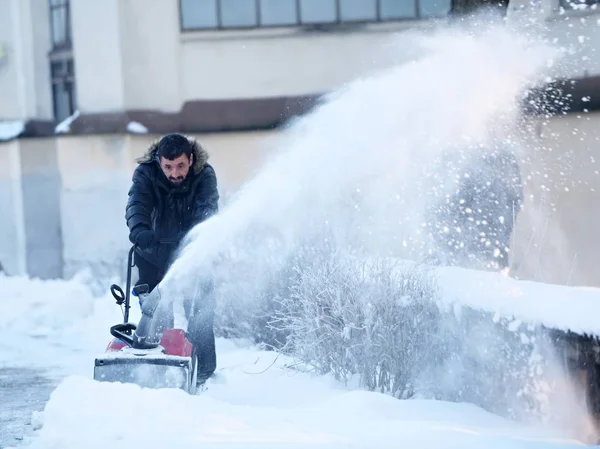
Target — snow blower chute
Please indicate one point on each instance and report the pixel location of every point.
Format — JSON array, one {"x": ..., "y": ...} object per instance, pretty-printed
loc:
[{"x": 145, "y": 354}]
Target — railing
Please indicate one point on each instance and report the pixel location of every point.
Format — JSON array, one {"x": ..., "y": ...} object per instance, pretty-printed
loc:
[{"x": 243, "y": 14}]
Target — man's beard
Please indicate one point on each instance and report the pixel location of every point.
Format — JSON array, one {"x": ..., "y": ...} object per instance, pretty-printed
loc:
[{"x": 176, "y": 181}]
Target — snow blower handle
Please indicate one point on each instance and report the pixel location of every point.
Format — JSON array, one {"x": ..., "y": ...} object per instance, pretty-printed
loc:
[
  {"x": 122, "y": 331},
  {"x": 123, "y": 298}
]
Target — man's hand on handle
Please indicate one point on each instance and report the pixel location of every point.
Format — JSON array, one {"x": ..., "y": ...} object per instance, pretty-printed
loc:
[{"x": 145, "y": 239}]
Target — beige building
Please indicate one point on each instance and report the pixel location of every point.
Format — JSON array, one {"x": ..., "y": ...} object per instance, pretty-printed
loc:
[{"x": 86, "y": 84}]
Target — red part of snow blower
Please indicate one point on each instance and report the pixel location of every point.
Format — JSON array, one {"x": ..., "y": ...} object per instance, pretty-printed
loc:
[{"x": 142, "y": 354}]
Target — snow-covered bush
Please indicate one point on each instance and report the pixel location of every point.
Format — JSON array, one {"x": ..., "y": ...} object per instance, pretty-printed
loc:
[
  {"x": 351, "y": 316},
  {"x": 380, "y": 320}
]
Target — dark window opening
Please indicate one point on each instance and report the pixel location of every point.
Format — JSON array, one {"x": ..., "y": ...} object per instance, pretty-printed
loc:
[{"x": 62, "y": 66}]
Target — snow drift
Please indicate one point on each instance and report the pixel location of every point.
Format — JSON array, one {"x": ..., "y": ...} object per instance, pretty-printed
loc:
[
  {"x": 257, "y": 402},
  {"x": 257, "y": 398}
]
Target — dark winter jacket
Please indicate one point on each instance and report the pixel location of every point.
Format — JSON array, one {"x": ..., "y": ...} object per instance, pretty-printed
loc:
[{"x": 170, "y": 211}]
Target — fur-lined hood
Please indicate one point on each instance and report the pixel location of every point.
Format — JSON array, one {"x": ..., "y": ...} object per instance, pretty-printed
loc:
[{"x": 200, "y": 154}]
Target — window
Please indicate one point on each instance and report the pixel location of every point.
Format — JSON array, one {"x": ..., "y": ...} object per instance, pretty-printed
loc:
[
  {"x": 232, "y": 14},
  {"x": 62, "y": 73},
  {"x": 60, "y": 23},
  {"x": 62, "y": 66}
]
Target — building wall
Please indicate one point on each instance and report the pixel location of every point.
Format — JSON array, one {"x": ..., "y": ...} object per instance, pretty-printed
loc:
[
  {"x": 147, "y": 62},
  {"x": 151, "y": 55},
  {"x": 283, "y": 62},
  {"x": 98, "y": 55},
  {"x": 86, "y": 179},
  {"x": 128, "y": 56},
  {"x": 25, "y": 74},
  {"x": 12, "y": 229},
  {"x": 42, "y": 219},
  {"x": 10, "y": 107}
]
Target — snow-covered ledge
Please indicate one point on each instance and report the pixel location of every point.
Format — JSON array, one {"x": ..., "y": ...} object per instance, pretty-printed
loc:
[
  {"x": 11, "y": 129},
  {"x": 65, "y": 126}
]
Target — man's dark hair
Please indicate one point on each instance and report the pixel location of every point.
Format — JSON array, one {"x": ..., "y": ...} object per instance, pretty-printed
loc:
[{"x": 172, "y": 146}]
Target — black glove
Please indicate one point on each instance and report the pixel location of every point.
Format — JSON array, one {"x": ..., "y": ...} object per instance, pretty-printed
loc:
[{"x": 145, "y": 239}]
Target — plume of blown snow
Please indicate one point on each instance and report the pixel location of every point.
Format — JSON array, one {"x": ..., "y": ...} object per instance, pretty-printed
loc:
[{"x": 372, "y": 138}]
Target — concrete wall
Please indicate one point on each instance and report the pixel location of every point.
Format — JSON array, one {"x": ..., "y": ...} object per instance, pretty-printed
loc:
[
  {"x": 81, "y": 183},
  {"x": 12, "y": 228},
  {"x": 41, "y": 199},
  {"x": 98, "y": 56},
  {"x": 30, "y": 229}
]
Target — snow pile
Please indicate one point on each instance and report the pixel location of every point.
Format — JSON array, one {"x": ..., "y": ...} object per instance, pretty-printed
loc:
[
  {"x": 136, "y": 128},
  {"x": 65, "y": 126},
  {"x": 11, "y": 129},
  {"x": 257, "y": 397},
  {"x": 53, "y": 324},
  {"x": 257, "y": 401}
]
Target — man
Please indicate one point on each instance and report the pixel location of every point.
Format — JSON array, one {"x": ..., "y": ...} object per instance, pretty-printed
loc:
[
  {"x": 474, "y": 224},
  {"x": 173, "y": 189}
]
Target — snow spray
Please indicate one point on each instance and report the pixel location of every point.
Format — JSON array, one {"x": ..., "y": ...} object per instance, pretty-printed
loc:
[
  {"x": 372, "y": 138},
  {"x": 358, "y": 164}
]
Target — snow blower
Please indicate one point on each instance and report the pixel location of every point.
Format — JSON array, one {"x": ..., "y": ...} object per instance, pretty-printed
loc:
[{"x": 147, "y": 354}]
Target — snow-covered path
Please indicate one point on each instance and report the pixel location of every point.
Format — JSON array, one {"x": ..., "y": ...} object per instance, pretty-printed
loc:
[{"x": 23, "y": 391}]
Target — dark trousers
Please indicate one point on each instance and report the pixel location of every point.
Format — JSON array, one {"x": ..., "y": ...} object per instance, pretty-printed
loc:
[{"x": 199, "y": 311}]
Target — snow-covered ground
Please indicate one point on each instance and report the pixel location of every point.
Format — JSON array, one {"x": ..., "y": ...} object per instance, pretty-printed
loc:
[
  {"x": 53, "y": 325},
  {"x": 255, "y": 403},
  {"x": 257, "y": 399}
]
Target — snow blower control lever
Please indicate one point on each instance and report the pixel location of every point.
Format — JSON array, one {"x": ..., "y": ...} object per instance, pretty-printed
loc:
[
  {"x": 149, "y": 301},
  {"x": 117, "y": 292},
  {"x": 142, "y": 337},
  {"x": 152, "y": 353}
]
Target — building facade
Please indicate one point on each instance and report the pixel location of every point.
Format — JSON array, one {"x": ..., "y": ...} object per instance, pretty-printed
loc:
[{"x": 85, "y": 85}]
